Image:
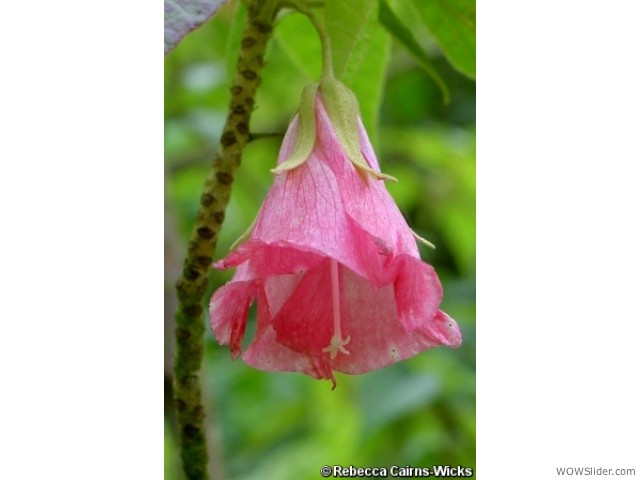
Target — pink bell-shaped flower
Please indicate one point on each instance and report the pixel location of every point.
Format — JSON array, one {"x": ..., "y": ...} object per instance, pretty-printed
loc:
[{"x": 331, "y": 261}]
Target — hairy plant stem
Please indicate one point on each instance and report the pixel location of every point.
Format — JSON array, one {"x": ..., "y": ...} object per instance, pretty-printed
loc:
[{"x": 192, "y": 284}]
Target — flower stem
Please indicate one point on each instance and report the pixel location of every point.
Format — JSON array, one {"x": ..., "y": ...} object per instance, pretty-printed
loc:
[
  {"x": 325, "y": 41},
  {"x": 192, "y": 284},
  {"x": 327, "y": 59}
]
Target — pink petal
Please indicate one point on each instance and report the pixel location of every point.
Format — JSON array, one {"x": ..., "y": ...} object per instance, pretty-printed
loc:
[
  {"x": 268, "y": 355},
  {"x": 265, "y": 353},
  {"x": 367, "y": 200},
  {"x": 304, "y": 210},
  {"x": 418, "y": 296},
  {"x": 418, "y": 292},
  {"x": 446, "y": 330},
  {"x": 305, "y": 322},
  {"x": 270, "y": 259},
  {"x": 370, "y": 316},
  {"x": 228, "y": 313}
]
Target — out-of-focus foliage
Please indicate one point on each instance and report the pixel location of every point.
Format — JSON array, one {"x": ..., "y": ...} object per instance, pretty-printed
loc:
[
  {"x": 453, "y": 23},
  {"x": 401, "y": 32},
  {"x": 280, "y": 426}
]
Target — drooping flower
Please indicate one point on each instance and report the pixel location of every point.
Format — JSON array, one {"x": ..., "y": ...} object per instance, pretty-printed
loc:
[{"x": 331, "y": 262}]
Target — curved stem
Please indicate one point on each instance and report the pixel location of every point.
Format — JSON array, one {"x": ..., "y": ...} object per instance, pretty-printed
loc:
[
  {"x": 192, "y": 284},
  {"x": 327, "y": 59}
]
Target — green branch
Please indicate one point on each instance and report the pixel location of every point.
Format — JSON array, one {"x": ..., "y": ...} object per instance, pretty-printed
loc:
[{"x": 192, "y": 284}]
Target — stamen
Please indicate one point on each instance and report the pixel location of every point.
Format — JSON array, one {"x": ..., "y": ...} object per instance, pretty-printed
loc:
[{"x": 337, "y": 343}]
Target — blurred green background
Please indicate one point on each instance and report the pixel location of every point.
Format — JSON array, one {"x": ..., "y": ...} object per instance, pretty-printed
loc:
[{"x": 419, "y": 412}]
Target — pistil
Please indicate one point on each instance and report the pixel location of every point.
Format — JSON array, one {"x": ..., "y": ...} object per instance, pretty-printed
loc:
[{"x": 337, "y": 343}]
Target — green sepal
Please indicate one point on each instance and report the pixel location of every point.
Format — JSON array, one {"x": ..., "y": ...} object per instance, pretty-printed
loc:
[
  {"x": 423, "y": 241},
  {"x": 245, "y": 235},
  {"x": 343, "y": 110},
  {"x": 306, "y": 135}
]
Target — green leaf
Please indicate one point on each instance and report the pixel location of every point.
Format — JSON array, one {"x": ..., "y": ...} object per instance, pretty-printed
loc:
[
  {"x": 453, "y": 24},
  {"x": 233, "y": 42},
  {"x": 395, "y": 27},
  {"x": 183, "y": 16},
  {"x": 360, "y": 52}
]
